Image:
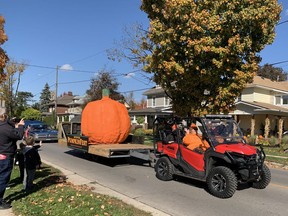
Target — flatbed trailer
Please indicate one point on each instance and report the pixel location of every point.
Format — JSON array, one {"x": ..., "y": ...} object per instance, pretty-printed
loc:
[{"x": 112, "y": 150}]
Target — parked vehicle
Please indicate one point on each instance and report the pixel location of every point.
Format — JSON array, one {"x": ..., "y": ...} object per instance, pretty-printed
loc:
[
  {"x": 41, "y": 131},
  {"x": 228, "y": 162}
]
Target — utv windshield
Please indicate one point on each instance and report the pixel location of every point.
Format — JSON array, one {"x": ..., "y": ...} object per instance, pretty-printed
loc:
[{"x": 223, "y": 131}]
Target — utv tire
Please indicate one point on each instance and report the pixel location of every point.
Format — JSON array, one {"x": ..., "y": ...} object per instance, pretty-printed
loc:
[
  {"x": 222, "y": 182},
  {"x": 164, "y": 169},
  {"x": 264, "y": 180}
]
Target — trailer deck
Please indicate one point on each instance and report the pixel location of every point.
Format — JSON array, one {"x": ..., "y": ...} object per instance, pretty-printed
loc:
[{"x": 112, "y": 150}]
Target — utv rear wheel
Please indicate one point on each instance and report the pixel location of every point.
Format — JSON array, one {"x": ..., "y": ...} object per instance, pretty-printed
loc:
[
  {"x": 164, "y": 169},
  {"x": 222, "y": 182},
  {"x": 264, "y": 180}
]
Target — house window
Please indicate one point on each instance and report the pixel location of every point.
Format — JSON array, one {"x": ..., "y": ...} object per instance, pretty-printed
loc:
[
  {"x": 153, "y": 101},
  {"x": 278, "y": 100},
  {"x": 285, "y": 100}
]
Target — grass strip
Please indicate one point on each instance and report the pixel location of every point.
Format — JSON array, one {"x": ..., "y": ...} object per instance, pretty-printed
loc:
[{"x": 52, "y": 195}]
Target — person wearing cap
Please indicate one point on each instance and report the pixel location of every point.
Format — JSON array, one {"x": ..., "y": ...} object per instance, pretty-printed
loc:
[
  {"x": 192, "y": 139},
  {"x": 171, "y": 137}
]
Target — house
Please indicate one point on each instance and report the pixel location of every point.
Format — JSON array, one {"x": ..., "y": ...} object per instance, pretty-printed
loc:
[
  {"x": 157, "y": 105},
  {"x": 75, "y": 106},
  {"x": 67, "y": 105},
  {"x": 262, "y": 107}
]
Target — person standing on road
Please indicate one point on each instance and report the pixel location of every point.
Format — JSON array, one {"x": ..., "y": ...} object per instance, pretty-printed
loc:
[{"x": 9, "y": 135}]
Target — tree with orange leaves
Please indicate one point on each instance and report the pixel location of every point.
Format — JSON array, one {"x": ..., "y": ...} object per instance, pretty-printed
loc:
[
  {"x": 3, "y": 56},
  {"x": 205, "y": 52}
]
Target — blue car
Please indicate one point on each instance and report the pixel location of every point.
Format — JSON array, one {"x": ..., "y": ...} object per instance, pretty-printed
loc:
[{"x": 41, "y": 131}]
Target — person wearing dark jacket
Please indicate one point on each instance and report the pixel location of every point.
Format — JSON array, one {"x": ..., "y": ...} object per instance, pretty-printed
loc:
[
  {"x": 31, "y": 161},
  {"x": 9, "y": 134}
]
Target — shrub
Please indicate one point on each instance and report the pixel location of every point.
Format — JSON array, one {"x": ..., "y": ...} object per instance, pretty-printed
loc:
[
  {"x": 273, "y": 141},
  {"x": 284, "y": 140},
  {"x": 139, "y": 132},
  {"x": 264, "y": 142},
  {"x": 148, "y": 132},
  {"x": 252, "y": 139}
]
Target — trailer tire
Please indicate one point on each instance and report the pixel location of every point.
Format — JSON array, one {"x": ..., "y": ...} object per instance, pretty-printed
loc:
[
  {"x": 164, "y": 169},
  {"x": 222, "y": 182},
  {"x": 264, "y": 180}
]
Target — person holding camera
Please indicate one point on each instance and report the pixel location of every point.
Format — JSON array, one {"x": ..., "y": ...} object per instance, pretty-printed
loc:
[{"x": 9, "y": 134}]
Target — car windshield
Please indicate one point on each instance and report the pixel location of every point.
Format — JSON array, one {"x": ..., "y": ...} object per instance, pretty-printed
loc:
[
  {"x": 223, "y": 131},
  {"x": 39, "y": 127}
]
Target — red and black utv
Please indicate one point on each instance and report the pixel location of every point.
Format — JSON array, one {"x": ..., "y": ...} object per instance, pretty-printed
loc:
[{"x": 228, "y": 162}]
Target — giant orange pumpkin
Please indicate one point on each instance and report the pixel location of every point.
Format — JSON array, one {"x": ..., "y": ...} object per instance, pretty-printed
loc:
[{"x": 105, "y": 121}]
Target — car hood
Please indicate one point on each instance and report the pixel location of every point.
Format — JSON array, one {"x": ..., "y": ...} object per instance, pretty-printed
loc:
[
  {"x": 44, "y": 132},
  {"x": 240, "y": 148}
]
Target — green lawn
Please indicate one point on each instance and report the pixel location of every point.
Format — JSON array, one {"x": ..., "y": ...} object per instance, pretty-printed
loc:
[
  {"x": 54, "y": 196},
  {"x": 278, "y": 152}
]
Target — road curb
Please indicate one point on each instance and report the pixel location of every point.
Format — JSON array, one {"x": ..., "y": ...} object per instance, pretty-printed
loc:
[{"x": 76, "y": 179}]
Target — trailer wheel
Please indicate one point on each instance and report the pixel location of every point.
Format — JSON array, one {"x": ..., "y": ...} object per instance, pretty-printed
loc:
[
  {"x": 222, "y": 182},
  {"x": 164, "y": 169},
  {"x": 264, "y": 180}
]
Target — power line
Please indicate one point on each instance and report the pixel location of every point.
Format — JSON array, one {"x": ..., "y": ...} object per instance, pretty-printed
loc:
[
  {"x": 85, "y": 58},
  {"x": 279, "y": 62},
  {"x": 282, "y": 22}
]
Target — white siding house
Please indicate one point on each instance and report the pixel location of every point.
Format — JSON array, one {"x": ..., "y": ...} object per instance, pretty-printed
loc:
[{"x": 262, "y": 102}]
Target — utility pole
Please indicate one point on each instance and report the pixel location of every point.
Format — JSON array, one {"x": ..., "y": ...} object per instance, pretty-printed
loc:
[{"x": 56, "y": 93}]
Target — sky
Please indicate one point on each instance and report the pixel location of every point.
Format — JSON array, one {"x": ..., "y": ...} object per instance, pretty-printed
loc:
[{"x": 74, "y": 34}]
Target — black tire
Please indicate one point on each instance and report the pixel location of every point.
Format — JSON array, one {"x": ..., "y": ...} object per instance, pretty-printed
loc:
[
  {"x": 164, "y": 169},
  {"x": 222, "y": 182},
  {"x": 264, "y": 180}
]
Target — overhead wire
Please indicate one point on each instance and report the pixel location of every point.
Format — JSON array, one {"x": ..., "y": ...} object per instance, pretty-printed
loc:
[{"x": 85, "y": 71}]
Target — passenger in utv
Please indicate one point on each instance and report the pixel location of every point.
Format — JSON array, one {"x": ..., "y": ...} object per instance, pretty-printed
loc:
[{"x": 193, "y": 141}]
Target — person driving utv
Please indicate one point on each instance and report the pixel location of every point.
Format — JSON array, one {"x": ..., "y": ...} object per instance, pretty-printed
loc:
[{"x": 193, "y": 141}]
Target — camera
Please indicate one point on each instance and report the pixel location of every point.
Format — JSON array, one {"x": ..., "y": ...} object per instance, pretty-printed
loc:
[{"x": 16, "y": 120}]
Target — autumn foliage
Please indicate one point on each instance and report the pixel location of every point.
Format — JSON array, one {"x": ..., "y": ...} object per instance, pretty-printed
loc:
[
  {"x": 3, "y": 56},
  {"x": 205, "y": 52}
]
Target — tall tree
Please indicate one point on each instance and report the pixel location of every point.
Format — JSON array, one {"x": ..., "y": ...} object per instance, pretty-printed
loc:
[
  {"x": 273, "y": 73},
  {"x": 9, "y": 91},
  {"x": 103, "y": 80},
  {"x": 205, "y": 52},
  {"x": 22, "y": 100},
  {"x": 3, "y": 56},
  {"x": 45, "y": 98}
]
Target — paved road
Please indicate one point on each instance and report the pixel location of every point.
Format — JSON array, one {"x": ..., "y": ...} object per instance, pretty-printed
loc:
[{"x": 178, "y": 198}]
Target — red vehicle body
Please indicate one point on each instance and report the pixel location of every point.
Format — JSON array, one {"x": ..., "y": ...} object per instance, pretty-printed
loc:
[{"x": 228, "y": 162}]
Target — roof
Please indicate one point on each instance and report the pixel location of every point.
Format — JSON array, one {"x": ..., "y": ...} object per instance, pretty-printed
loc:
[
  {"x": 264, "y": 82},
  {"x": 265, "y": 107},
  {"x": 154, "y": 90},
  {"x": 148, "y": 111},
  {"x": 63, "y": 100},
  {"x": 257, "y": 82}
]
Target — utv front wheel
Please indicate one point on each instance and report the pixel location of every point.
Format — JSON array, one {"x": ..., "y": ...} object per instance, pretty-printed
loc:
[
  {"x": 264, "y": 180},
  {"x": 164, "y": 169},
  {"x": 222, "y": 182}
]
